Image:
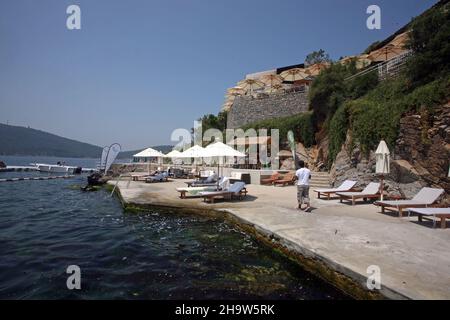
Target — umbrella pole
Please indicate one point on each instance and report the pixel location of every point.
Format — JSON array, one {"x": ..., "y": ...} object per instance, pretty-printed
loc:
[{"x": 381, "y": 187}]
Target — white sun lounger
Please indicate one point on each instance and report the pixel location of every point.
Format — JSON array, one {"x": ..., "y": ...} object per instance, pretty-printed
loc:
[
  {"x": 434, "y": 213},
  {"x": 195, "y": 191},
  {"x": 347, "y": 185},
  {"x": 372, "y": 190},
  {"x": 424, "y": 198},
  {"x": 236, "y": 189}
]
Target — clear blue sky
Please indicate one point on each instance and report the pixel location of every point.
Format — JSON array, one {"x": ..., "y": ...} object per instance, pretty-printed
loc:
[{"x": 139, "y": 69}]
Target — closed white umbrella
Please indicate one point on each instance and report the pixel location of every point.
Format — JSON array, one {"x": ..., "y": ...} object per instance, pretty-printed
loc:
[{"x": 382, "y": 166}]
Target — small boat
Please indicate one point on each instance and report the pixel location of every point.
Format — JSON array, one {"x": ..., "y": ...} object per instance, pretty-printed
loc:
[{"x": 56, "y": 168}]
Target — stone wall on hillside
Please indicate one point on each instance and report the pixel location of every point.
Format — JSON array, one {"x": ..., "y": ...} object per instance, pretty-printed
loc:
[
  {"x": 420, "y": 157},
  {"x": 248, "y": 109}
]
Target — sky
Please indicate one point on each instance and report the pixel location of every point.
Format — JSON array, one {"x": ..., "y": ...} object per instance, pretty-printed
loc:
[{"x": 138, "y": 69}]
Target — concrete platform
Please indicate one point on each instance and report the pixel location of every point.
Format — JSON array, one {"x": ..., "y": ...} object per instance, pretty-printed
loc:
[{"x": 414, "y": 258}]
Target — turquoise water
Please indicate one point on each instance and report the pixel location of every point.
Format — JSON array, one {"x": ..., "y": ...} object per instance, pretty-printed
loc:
[{"x": 45, "y": 226}]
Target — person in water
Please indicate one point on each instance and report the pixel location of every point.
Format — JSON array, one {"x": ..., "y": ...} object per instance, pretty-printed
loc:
[{"x": 303, "y": 176}]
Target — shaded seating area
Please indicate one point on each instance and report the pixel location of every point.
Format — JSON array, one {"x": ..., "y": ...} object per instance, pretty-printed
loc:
[
  {"x": 371, "y": 191},
  {"x": 236, "y": 190},
  {"x": 346, "y": 186},
  {"x": 432, "y": 214},
  {"x": 424, "y": 198}
]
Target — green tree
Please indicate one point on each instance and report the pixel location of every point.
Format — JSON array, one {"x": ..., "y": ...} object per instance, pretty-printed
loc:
[
  {"x": 317, "y": 57},
  {"x": 429, "y": 39}
]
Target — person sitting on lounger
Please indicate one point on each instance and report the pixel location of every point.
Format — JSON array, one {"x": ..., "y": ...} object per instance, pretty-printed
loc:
[{"x": 303, "y": 176}]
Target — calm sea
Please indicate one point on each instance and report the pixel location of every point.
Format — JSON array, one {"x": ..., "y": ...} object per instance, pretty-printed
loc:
[{"x": 45, "y": 226}]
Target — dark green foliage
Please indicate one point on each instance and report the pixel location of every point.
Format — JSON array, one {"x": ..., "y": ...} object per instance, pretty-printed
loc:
[
  {"x": 317, "y": 57},
  {"x": 211, "y": 121},
  {"x": 328, "y": 91},
  {"x": 300, "y": 124},
  {"x": 429, "y": 39},
  {"x": 337, "y": 131},
  {"x": 377, "y": 115}
]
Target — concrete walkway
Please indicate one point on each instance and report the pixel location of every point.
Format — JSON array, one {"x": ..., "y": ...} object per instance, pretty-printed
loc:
[{"x": 414, "y": 258}]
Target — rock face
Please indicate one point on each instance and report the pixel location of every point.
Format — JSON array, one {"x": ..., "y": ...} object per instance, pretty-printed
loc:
[
  {"x": 420, "y": 158},
  {"x": 2, "y": 164},
  {"x": 117, "y": 169},
  {"x": 247, "y": 109}
]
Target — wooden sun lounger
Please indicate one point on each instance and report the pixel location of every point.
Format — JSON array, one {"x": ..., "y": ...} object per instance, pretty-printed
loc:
[
  {"x": 223, "y": 194},
  {"x": 346, "y": 186},
  {"x": 371, "y": 191},
  {"x": 194, "y": 191},
  {"x": 289, "y": 178},
  {"x": 424, "y": 198},
  {"x": 237, "y": 189},
  {"x": 274, "y": 177},
  {"x": 432, "y": 214}
]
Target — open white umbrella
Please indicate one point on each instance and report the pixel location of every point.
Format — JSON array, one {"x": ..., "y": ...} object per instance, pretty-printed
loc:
[
  {"x": 173, "y": 154},
  {"x": 386, "y": 53},
  {"x": 382, "y": 163},
  {"x": 193, "y": 152},
  {"x": 149, "y": 153},
  {"x": 294, "y": 74},
  {"x": 271, "y": 79},
  {"x": 220, "y": 150},
  {"x": 251, "y": 84}
]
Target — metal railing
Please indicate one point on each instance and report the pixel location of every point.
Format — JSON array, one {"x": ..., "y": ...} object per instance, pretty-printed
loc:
[{"x": 385, "y": 69}]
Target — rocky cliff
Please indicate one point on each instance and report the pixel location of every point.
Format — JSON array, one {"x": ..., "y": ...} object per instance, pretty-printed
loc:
[{"x": 420, "y": 157}]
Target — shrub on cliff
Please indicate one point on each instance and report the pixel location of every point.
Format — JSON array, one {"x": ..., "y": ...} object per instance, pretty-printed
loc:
[
  {"x": 301, "y": 125},
  {"x": 429, "y": 39}
]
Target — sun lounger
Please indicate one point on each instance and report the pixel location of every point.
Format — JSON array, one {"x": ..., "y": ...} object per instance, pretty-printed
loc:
[
  {"x": 141, "y": 176},
  {"x": 236, "y": 189},
  {"x": 195, "y": 191},
  {"x": 160, "y": 177},
  {"x": 424, "y": 198},
  {"x": 347, "y": 185},
  {"x": 432, "y": 214},
  {"x": 206, "y": 182},
  {"x": 371, "y": 191},
  {"x": 275, "y": 176},
  {"x": 288, "y": 178}
]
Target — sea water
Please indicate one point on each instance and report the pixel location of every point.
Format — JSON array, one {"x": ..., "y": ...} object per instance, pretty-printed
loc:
[{"x": 46, "y": 226}]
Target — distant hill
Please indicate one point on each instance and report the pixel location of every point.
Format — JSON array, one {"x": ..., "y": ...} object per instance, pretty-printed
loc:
[{"x": 22, "y": 141}]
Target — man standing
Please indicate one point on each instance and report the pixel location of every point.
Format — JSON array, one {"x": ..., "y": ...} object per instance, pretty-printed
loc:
[{"x": 303, "y": 175}]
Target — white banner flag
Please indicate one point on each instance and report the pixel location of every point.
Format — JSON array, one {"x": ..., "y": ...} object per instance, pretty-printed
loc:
[{"x": 114, "y": 150}]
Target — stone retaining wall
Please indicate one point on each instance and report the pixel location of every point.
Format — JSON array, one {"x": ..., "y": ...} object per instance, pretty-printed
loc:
[{"x": 247, "y": 109}]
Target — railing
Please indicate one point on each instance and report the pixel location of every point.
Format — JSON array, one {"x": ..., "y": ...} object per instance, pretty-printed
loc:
[{"x": 385, "y": 69}]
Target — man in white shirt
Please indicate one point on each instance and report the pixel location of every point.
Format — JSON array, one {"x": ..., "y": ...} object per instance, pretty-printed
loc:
[{"x": 303, "y": 175}]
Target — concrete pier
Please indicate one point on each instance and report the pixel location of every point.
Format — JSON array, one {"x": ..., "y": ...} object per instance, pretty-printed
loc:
[{"x": 338, "y": 242}]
